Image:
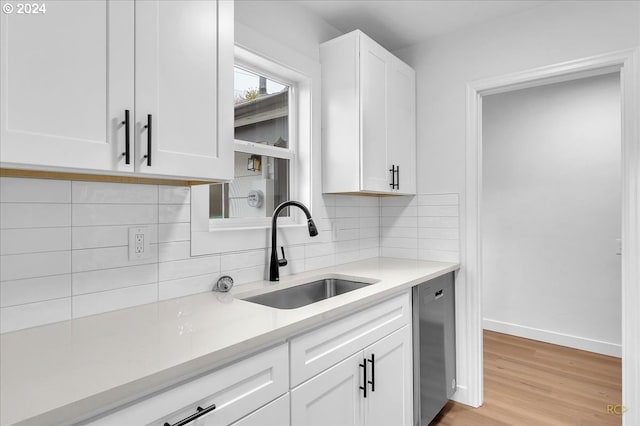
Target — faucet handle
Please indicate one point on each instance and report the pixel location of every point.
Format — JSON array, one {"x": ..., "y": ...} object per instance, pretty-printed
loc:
[{"x": 283, "y": 261}]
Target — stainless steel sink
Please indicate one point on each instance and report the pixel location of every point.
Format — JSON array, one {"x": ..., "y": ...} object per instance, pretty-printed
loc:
[{"x": 305, "y": 294}]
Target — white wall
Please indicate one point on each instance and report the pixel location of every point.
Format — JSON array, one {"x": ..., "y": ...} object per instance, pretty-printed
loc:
[
  {"x": 551, "y": 212},
  {"x": 553, "y": 33}
]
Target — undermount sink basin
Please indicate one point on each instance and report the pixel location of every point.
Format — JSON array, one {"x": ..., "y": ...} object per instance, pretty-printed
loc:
[{"x": 305, "y": 294}]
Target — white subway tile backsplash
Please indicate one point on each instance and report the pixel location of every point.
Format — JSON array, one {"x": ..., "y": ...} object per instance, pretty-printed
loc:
[
  {"x": 113, "y": 193},
  {"x": 186, "y": 286},
  {"x": 439, "y": 255},
  {"x": 104, "y": 301},
  {"x": 347, "y": 211},
  {"x": 174, "y": 213},
  {"x": 34, "y": 215},
  {"x": 113, "y": 278},
  {"x": 451, "y": 211},
  {"x": 438, "y": 200},
  {"x": 347, "y": 223},
  {"x": 30, "y": 290},
  {"x": 321, "y": 249},
  {"x": 20, "y": 190},
  {"x": 348, "y": 234},
  {"x": 401, "y": 201},
  {"x": 347, "y": 200},
  {"x": 399, "y": 211},
  {"x": 432, "y": 234},
  {"x": 402, "y": 253},
  {"x": 369, "y": 243},
  {"x": 32, "y": 265},
  {"x": 369, "y": 222},
  {"x": 438, "y": 244},
  {"x": 188, "y": 267},
  {"x": 246, "y": 275},
  {"x": 442, "y": 233},
  {"x": 114, "y": 214},
  {"x": 174, "y": 251},
  {"x": 438, "y": 222},
  {"x": 367, "y": 253},
  {"x": 33, "y": 314},
  {"x": 64, "y": 245},
  {"x": 108, "y": 257},
  {"x": 342, "y": 247},
  {"x": 84, "y": 237},
  {"x": 346, "y": 257},
  {"x": 369, "y": 233},
  {"x": 174, "y": 194},
  {"x": 400, "y": 242},
  {"x": 407, "y": 222},
  {"x": 168, "y": 232},
  {"x": 243, "y": 259},
  {"x": 33, "y": 240},
  {"x": 319, "y": 262},
  {"x": 369, "y": 211}
]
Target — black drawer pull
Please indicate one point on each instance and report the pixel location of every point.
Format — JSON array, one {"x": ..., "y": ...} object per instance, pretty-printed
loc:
[
  {"x": 393, "y": 176},
  {"x": 201, "y": 412},
  {"x": 364, "y": 382},
  {"x": 148, "y": 127},
  {"x": 125, "y": 123},
  {"x": 372, "y": 382}
]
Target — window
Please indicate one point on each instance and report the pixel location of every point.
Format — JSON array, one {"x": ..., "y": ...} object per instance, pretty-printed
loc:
[{"x": 264, "y": 150}]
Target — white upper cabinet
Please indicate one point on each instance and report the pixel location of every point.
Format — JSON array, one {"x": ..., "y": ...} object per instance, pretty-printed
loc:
[
  {"x": 78, "y": 76},
  {"x": 368, "y": 118},
  {"x": 67, "y": 79}
]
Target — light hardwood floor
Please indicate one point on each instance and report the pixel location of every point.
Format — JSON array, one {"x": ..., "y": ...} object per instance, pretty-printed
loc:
[{"x": 527, "y": 382}]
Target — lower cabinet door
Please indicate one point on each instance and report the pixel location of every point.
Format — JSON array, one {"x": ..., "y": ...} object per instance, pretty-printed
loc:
[
  {"x": 275, "y": 413},
  {"x": 390, "y": 375},
  {"x": 332, "y": 398}
]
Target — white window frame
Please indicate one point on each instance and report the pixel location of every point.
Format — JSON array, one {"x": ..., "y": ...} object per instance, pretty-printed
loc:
[
  {"x": 253, "y": 63},
  {"x": 304, "y": 74}
]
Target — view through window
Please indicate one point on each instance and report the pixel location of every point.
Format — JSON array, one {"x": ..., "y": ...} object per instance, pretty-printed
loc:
[{"x": 263, "y": 155}]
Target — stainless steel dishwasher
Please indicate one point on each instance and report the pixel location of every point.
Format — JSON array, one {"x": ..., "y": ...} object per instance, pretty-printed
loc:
[{"x": 434, "y": 347}]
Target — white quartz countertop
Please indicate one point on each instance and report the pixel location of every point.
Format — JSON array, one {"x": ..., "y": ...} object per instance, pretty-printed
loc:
[{"x": 65, "y": 371}]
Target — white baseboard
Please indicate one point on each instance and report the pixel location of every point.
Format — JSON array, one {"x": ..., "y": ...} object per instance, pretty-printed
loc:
[
  {"x": 576, "y": 342},
  {"x": 462, "y": 396}
]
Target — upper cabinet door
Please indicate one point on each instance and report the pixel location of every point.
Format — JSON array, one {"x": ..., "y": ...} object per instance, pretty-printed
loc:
[
  {"x": 178, "y": 91},
  {"x": 401, "y": 146},
  {"x": 67, "y": 79},
  {"x": 375, "y": 69}
]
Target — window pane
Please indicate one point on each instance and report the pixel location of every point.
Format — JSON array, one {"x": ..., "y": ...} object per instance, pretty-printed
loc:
[
  {"x": 261, "y": 109},
  {"x": 259, "y": 185}
]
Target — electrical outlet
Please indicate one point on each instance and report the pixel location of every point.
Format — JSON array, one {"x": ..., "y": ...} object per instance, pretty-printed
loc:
[{"x": 139, "y": 243}]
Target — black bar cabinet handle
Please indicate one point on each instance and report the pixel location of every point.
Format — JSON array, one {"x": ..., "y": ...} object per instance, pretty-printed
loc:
[
  {"x": 148, "y": 127},
  {"x": 201, "y": 412},
  {"x": 364, "y": 382},
  {"x": 126, "y": 152},
  {"x": 393, "y": 176},
  {"x": 397, "y": 177},
  {"x": 372, "y": 382}
]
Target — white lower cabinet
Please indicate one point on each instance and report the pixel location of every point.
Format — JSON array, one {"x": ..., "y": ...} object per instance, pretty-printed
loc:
[
  {"x": 330, "y": 398},
  {"x": 236, "y": 391},
  {"x": 337, "y": 396},
  {"x": 372, "y": 384},
  {"x": 275, "y": 413},
  {"x": 356, "y": 370}
]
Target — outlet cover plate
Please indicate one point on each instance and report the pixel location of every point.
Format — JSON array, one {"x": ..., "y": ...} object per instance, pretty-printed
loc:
[{"x": 139, "y": 243}]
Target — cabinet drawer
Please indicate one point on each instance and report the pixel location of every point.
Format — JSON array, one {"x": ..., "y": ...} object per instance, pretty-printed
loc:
[
  {"x": 236, "y": 390},
  {"x": 319, "y": 349}
]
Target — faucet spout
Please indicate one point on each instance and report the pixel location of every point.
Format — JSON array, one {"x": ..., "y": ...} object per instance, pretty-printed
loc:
[{"x": 274, "y": 267}]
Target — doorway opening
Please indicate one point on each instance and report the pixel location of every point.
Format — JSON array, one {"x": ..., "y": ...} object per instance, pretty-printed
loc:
[
  {"x": 625, "y": 62},
  {"x": 551, "y": 269}
]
